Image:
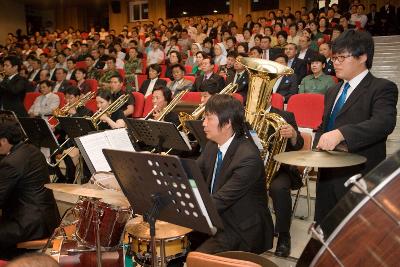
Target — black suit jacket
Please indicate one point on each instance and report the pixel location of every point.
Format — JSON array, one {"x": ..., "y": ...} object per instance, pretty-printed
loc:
[
  {"x": 329, "y": 69},
  {"x": 288, "y": 86},
  {"x": 146, "y": 83},
  {"x": 250, "y": 27},
  {"x": 240, "y": 194},
  {"x": 300, "y": 68},
  {"x": 214, "y": 78},
  {"x": 64, "y": 85},
  {"x": 309, "y": 54},
  {"x": 365, "y": 120},
  {"x": 242, "y": 82},
  {"x": 29, "y": 209},
  {"x": 12, "y": 94}
]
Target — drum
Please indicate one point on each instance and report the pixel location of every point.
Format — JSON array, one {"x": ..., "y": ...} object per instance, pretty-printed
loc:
[
  {"x": 112, "y": 223},
  {"x": 105, "y": 180},
  {"x": 173, "y": 248}
]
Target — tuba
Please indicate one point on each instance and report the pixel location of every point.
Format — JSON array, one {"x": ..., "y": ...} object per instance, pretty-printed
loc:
[
  {"x": 196, "y": 114},
  {"x": 263, "y": 75},
  {"x": 114, "y": 106}
]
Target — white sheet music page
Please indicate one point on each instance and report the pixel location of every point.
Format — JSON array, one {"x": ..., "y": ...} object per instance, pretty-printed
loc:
[{"x": 119, "y": 139}]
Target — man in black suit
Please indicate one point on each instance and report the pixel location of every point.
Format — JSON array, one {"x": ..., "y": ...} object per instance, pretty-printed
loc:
[
  {"x": 374, "y": 20},
  {"x": 285, "y": 179},
  {"x": 388, "y": 18},
  {"x": 234, "y": 172},
  {"x": 287, "y": 85},
  {"x": 325, "y": 49},
  {"x": 61, "y": 82},
  {"x": 34, "y": 75},
  {"x": 268, "y": 52},
  {"x": 240, "y": 77},
  {"x": 298, "y": 65},
  {"x": 153, "y": 72},
  {"x": 29, "y": 210},
  {"x": 359, "y": 114},
  {"x": 207, "y": 66},
  {"x": 13, "y": 88},
  {"x": 305, "y": 53},
  {"x": 249, "y": 23}
]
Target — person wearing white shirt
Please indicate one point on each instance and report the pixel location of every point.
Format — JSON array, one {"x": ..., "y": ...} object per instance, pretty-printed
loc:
[
  {"x": 155, "y": 55},
  {"x": 46, "y": 103}
]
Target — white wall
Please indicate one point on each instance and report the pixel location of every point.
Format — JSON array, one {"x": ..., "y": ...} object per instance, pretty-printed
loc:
[{"x": 12, "y": 17}]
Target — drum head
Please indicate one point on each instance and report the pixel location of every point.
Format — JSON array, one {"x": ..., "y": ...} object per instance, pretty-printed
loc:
[{"x": 106, "y": 180}]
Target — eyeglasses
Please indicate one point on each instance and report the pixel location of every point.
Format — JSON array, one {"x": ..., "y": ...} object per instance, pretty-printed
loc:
[{"x": 340, "y": 58}]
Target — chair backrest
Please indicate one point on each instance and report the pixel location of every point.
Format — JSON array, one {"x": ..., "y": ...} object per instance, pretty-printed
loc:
[
  {"x": 72, "y": 82},
  {"x": 144, "y": 64},
  {"x": 141, "y": 78},
  {"x": 91, "y": 104},
  {"x": 308, "y": 109},
  {"x": 163, "y": 70},
  {"x": 81, "y": 64},
  {"x": 188, "y": 69},
  {"x": 277, "y": 101},
  {"x": 193, "y": 97},
  {"x": 93, "y": 84},
  {"x": 238, "y": 97},
  {"x": 139, "y": 105},
  {"x": 62, "y": 98},
  {"x": 190, "y": 78},
  {"x": 198, "y": 259},
  {"x": 121, "y": 73},
  {"x": 148, "y": 105},
  {"x": 29, "y": 99},
  {"x": 166, "y": 79}
]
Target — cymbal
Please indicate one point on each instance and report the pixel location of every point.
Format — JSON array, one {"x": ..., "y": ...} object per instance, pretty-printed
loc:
[
  {"x": 79, "y": 190},
  {"x": 320, "y": 159},
  {"x": 138, "y": 228}
]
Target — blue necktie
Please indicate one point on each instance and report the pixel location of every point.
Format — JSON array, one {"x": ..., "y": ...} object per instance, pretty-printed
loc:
[
  {"x": 338, "y": 106},
  {"x": 217, "y": 169}
]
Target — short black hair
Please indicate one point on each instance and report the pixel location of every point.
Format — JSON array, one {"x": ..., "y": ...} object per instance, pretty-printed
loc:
[
  {"x": 178, "y": 55},
  {"x": 155, "y": 67},
  {"x": 47, "y": 82},
  {"x": 72, "y": 90},
  {"x": 81, "y": 70},
  {"x": 105, "y": 94},
  {"x": 167, "y": 93},
  {"x": 180, "y": 66},
  {"x": 63, "y": 70},
  {"x": 282, "y": 55},
  {"x": 259, "y": 50},
  {"x": 11, "y": 131},
  {"x": 118, "y": 77},
  {"x": 233, "y": 54},
  {"x": 318, "y": 57},
  {"x": 227, "y": 109},
  {"x": 283, "y": 34},
  {"x": 211, "y": 86},
  {"x": 356, "y": 43},
  {"x": 71, "y": 59},
  {"x": 14, "y": 60}
]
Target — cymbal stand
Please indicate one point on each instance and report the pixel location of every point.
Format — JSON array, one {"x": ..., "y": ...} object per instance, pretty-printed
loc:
[{"x": 98, "y": 245}]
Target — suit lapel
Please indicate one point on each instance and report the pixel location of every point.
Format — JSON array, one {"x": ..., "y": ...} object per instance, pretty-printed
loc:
[{"x": 213, "y": 158}]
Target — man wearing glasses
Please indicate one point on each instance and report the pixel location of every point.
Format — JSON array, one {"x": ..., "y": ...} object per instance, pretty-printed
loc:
[{"x": 359, "y": 114}]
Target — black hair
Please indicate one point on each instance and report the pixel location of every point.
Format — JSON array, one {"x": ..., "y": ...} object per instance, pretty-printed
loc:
[
  {"x": 118, "y": 77},
  {"x": 73, "y": 90},
  {"x": 14, "y": 60},
  {"x": 180, "y": 66},
  {"x": 47, "y": 82},
  {"x": 356, "y": 43},
  {"x": 227, "y": 109},
  {"x": 166, "y": 93},
  {"x": 63, "y": 70},
  {"x": 266, "y": 37},
  {"x": 105, "y": 94},
  {"x": 259, "y": 50},
  {"x": 283, "y": 56},
  {"x": 71, "y": 59},
  {"x": 81, "y": 70},
  {"x": 11, "y": 131},
  {"x": 178, "y": 55},
  {"x": 282, "y": 33},
  {"x": 233, "y": 54},
  {"x": 318, "y": 57},
  {"x": 245, "y": 46},
  {"x": 295, "y": 45},
  {"x": 155, "y": 67},
  {"x": 89, "y": 56}
]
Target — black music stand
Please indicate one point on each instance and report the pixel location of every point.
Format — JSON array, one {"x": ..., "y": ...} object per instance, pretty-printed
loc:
[
  {"x": 76, "y": 126},
  {"x": 158, "y": 134},
  {"x": 39, "y": 132},
  {"x": 165, "y": 187},
  {"x": 196, "y": 128},
  {"x": 9, "y": 116}
]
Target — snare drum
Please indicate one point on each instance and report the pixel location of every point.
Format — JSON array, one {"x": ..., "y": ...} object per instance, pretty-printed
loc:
[
  {"x": 105, "y": 180},
  {"x": 112, "y": 223},
  {"x": 173, "y": 248}
]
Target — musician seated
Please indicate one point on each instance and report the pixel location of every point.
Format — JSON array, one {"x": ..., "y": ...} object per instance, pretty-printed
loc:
[
  {"x": 72, "y": 95},
  {"x": 162, "y": 96},
  {"x": 46, "y": 103},
  {"x": 234, "y": 172},
  {"x": 113, "y": 121},
  {"x": 116, "y": 83},
  {"x": 207, "y": 91},
  {"x": 287, "y": 178},
  {"x": 29, "y": 210}
]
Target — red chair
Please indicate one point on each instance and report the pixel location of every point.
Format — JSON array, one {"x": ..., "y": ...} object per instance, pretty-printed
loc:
[
  {"x": 216, "y": 68},
  {"x": 188, "y": 69},
  {"x": 81, "y": 65},
  {"x": 238, "y": 97},
  {"x": 148, "y": 105},
  {"x": 141, "y": 78},
  {"x": 190, "y": 78},
  {"x": 166, "y": 79},
  {"x": 139, "y": 105},
  {"x": 144, "y": 65},
  {"x": 72, "y": 82},
  {"x": 29, "y": 99},
  {"x": 121, "y": 73},
  {"x": 192, "y": 97},
  {"x": 62, "y": 98},
  {"x": 308, "y": 109},
  {"x": 163, "y": 70},
  {"x": 93, "y": 84},
  {"x": 91, "y": 104},
  {"x": 277, "y": 101}
]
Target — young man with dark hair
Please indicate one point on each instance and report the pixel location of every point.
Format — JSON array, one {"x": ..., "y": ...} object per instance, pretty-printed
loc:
[
  {"x": 29, "y": 210},
  {"x": 207, "y": 66},
  {"x": 116, "y": 83},
  {"x": 359, "y": 113},
  {"x": 285, "y": 85},
  {"x": 234, "y": 173},
  {"x": 240, "y": 77}
]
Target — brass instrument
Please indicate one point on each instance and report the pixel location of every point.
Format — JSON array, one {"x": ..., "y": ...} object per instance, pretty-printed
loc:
[
  {"x": 263, "y": 75},
  {"x": 114, "y": 106},
  {"x": 175, "y": 101},
  {"x": 196, "y": 114}
]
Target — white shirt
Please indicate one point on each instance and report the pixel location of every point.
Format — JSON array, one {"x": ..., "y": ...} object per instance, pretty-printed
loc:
[
  {"x": 223, "y": 148},
  {"x": 151, "y": 87},
  {"x": 69, "y": 74},
  {"x": 302, "y": 54},
  {"x": 276, "y": 85},
  {"x": 154, "y": 56},
  {"x": 33, "y": 75},
  {"x": 237, "y": 75},
  {"x": 353, "y": 84}
]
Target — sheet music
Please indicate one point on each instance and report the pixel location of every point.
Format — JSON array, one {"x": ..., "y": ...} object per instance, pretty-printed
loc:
[
  {"x": 111, "y": 139},
  {"x": 186, "y": 139},
  {"x": 201, "y": 203}
]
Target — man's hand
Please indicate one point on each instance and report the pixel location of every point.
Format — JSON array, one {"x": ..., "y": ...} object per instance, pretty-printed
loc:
[
  {"x": 329, "y": 140},
  {"x": 287, "y": 131}
]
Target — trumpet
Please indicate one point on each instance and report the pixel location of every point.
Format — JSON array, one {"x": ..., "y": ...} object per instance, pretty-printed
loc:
[
  {"x": 175, "y": 101},
  {"x": 114, "y": 106},
  {"x": 196, "y": 114}
]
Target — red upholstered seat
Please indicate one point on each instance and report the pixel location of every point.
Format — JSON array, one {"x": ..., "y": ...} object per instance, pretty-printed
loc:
[
  {"x": 81, "y": 64},
  {"x": 163, "y": 70},
  {"x": 93, "y": 84},
  {"x": 139, "y": 105},
  {"x": 91, "y": 104},
  {"x": 72, "y": 82},
  {"x": 121, "y": 73},
  {"x": 29, "y": 99},
  {"x": 148, "y": 105},
  {"x": 238, "y": 97},
  {"x": 190, "y": 78},
  {"x": 188, "y": 69},
  {"x": 166, "y": 79},
  {"x": 141, "y": 78},
  {"x": 308, "y": 109},
  {"x": 62, "y": 98},
  {"x": 277, "y": 101},
  {"x": 193, "y": 97}
]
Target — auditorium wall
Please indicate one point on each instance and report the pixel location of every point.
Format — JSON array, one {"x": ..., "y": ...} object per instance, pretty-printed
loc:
[{"x": 12, "y": 17}]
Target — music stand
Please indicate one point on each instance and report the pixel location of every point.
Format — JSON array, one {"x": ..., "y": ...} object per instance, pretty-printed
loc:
[
  {"x": 165, "y": 187},
  {"x": 197, "y": 129},
  {"x": 39, "y": 132},
  {"x": 158, "y": 134},
  {"x": 9, "y": 116},
  {"x": 76, "y": 126}
]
